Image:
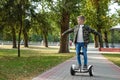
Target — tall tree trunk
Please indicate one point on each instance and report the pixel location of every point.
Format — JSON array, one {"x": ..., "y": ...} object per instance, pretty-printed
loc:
[
  {"x": 64, "y": 26},
  {"x": 97, "y": 6},
  {"x": 19, "y": 36},
  {"x": 21, "y": 23},
  {"x": 100, "y": 38},
  {"x": 96, "y": 41},
  {"x": 106, "y": 39},
  {"x": 25, "y": 38},
  {"x": 98, "y": 24},
  {"x": 14, "y": 38},
  {"x": 45, "y": 40}
]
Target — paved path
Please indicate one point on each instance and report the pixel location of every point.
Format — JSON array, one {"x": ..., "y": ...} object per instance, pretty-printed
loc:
[{"x": 103, "y": 69}]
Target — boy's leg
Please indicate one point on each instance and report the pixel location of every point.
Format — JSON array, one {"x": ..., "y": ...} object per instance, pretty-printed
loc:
[
  {"x": 78, "y": 48},
  {"x": 84, "y": 49}
]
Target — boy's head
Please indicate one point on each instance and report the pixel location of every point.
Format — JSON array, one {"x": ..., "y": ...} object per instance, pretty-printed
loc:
[{"x": 80, "y": 20}]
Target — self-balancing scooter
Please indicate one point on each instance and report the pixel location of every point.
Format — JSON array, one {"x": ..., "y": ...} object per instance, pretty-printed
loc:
[{"x": 89, "y": 69}]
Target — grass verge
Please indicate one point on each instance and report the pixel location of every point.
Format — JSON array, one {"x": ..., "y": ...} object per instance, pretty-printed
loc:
[
  {"x": 115, "y": 58},
  {"x": 31, "y": 63}
]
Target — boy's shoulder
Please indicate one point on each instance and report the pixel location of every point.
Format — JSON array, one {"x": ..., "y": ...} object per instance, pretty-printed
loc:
[
  {"x": 76, "y": 26},
  {"x": 86, "y": 26}
]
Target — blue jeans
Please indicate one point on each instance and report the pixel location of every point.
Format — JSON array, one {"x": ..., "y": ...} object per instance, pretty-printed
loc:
[{"x": 80, "y": 45}]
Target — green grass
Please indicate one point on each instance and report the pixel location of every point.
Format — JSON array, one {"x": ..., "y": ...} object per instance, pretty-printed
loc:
[
  {"x": 115, "y": 58},
  {"x": 32, "y": 62}
]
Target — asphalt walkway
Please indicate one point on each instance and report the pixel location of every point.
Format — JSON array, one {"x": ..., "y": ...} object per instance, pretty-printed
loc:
[{"x": 103, "y": 69}]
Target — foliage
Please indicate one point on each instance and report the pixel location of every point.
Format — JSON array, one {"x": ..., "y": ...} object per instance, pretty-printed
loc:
[
  {"x": 44, "y": 16},
  {"x": 35, "y": 37}
]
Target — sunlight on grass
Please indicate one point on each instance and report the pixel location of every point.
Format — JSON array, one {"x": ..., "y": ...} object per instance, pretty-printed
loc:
[
  {"x": 115, "y": 58},
  {"x": 33, "y": 61}
]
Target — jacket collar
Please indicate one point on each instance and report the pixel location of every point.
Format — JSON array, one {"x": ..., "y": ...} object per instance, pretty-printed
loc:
[{"x": 79, "y": 25}]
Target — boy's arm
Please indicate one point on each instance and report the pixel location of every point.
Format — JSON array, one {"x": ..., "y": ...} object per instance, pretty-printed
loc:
[
  {"x": 96, "y": 33},
  {"x": 68, "y": 31}
]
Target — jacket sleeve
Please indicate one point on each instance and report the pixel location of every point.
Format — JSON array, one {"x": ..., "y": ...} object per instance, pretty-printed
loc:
[
  {"x": 96, "y": 33},
  {"x": 68, "y": 31}
]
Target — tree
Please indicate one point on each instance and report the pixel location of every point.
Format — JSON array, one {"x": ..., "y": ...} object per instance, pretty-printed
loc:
[
  {"x": 9, "y": 18},
  {"x": 101, "y": 8},
  {"x": 20, "y": 14},
  {"x": 26, "y": 20},
  {"x": 63, "y": 10},
  {"x": 42, "y": 21},
  {"x": 65, "y": 18},
  {"x": 25, "y": 31}
]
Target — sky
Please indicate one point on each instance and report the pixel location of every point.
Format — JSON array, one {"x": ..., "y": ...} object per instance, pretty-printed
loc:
[{"x": 113, "y": 8}]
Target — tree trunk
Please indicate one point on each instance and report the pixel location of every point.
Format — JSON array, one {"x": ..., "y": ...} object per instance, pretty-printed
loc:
[
  {"x": 14, "y": 38},
  {"x": 106, "y": 39},
  {"x": 25, "y": 38},
  {"x": 100, "y": 38},
  {"x": 98, "y": 19},
  {"x": 21, "y": 23},
  {"x": 64, "y": 39},
  {"x": 19, "y": 36},
  {"x": 96, "y": 41},
  {"x": 45, "y": 40}
]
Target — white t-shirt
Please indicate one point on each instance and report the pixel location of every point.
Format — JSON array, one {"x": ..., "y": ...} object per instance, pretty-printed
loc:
[{"x": 80, "y": 34}]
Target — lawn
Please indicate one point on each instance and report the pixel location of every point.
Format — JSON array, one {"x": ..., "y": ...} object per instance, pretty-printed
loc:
[
  {"x": 33, "y": 61},
  {"x": 115, "y": 58}
]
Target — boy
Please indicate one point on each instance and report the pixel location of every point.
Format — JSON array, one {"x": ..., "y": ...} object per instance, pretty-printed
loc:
[{"x": 81, "y": 39}]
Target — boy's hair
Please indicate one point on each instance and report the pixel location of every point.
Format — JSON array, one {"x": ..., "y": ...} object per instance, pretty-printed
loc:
[{"x": 81, "y": 17}]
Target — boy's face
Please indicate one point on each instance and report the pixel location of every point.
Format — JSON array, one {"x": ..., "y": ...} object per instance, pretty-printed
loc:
[{"x": 80, "y": 21}]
